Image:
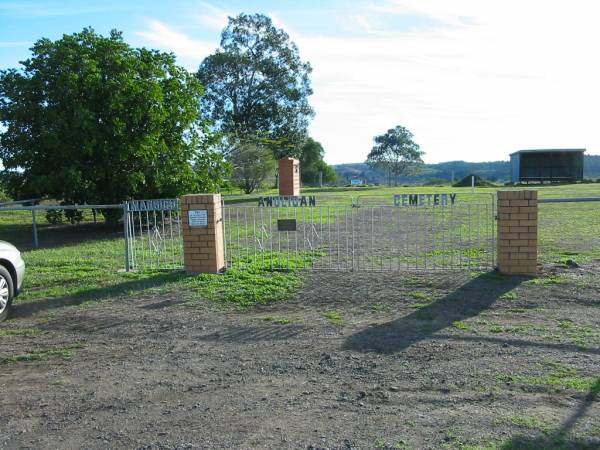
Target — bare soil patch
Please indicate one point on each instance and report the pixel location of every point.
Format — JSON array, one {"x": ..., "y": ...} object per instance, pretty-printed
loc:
[{"x": 353, "y": 361}]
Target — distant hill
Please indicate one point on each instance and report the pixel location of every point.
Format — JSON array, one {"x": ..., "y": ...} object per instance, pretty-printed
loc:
[{"x": 498, "y": 171}]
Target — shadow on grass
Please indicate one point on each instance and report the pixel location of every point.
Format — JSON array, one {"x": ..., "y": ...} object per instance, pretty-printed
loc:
[
  {"x": 559, "y": 439},
  {"x": 29, "y": 308},
  {"x": 467, "y": 301}
]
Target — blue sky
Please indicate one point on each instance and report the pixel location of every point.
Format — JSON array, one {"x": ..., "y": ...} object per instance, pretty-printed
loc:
[{"x": 473, "y": 79}]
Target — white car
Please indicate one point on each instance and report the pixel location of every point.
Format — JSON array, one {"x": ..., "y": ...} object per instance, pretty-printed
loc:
[{"x": 12, "y": 271}]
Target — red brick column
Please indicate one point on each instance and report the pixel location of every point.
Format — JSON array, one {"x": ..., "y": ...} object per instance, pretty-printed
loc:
[
  {"x": 289, "y": 176},
  {"x": 202, "y": 226},
  {"x": 517, "y": 232}
]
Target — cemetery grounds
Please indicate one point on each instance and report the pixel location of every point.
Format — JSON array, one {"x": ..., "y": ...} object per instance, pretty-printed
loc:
[{"x": 94, "y": 357}]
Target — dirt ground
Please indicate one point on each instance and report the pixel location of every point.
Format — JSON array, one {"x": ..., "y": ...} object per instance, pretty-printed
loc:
[{"x": 354, "y": 361}]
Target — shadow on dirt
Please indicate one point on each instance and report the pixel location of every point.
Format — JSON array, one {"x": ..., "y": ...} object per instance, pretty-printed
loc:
[
  {"x": 559, "y": 439},
  {"x": 467, "y": 301},
  {"x": 30, "y": 308}
]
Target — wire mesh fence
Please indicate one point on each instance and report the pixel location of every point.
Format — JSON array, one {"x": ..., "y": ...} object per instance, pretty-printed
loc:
[
  {"x": 569, "y": 229},
  {"x": 369, "y": 238},
  {"x": 154, "y": 238}
]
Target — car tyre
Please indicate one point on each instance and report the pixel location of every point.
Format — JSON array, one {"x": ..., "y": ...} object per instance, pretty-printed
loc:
[{"x": 7, "y": 292}]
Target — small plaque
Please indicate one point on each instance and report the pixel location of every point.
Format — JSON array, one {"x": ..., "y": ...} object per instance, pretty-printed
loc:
[
  {"x": 286, "y": 225},
  {"x": 198, "y": 217}
]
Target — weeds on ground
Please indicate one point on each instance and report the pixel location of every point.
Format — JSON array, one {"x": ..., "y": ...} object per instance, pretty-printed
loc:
[
  {"x": 559, "y": 376},
  {"x": 64, "y": 352},
  {"x": 276, "y": 319},
  {"x": 19, "y": 332},
  {"x": 459, "y": 325},
  {"x": 333, "y": 317},
  {"x": 510, "y": 295}
]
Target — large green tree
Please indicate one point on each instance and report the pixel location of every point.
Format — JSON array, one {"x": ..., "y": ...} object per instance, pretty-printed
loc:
[
  {"x": 311, "y": 163},
  {"x": 256, "y": 84},
  {"x": 396, "y": 152},
  {"x": 90, "y": 119},
  {"x": 251, "y": 160}
]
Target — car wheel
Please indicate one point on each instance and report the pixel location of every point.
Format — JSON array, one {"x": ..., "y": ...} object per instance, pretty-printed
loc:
[{"x": 6, "y": 292}]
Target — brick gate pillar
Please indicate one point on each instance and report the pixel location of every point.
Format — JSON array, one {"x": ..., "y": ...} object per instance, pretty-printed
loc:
[
  {"x": 289, "y": 176},
  {"x": 202, "y": 227},
  {"x": 517, "y": 232}
]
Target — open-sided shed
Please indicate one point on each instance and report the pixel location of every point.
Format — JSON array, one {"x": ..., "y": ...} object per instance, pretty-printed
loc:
[{"x": 547, "y": 165}]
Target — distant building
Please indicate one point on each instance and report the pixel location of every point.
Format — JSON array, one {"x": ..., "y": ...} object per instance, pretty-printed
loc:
[{"x": 547, "y": 165}]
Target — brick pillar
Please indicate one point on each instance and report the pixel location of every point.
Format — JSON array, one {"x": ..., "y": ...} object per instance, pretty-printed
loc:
[
  {"x": 517, "y": 232},
  {"x": 289, "y": 176},
  {"x": 202, "y": 226}
]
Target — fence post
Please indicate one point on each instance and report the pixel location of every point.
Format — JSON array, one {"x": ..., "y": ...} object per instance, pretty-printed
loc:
[
  {"x": 517, "y": 232},
  {"x": 35, "y": 231},
  {"x": 126, "y": 234},
  {"x": 203, "y": 240}
]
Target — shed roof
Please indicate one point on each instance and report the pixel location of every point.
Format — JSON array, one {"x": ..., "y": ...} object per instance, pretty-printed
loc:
[{"x": 550, "y": 150}]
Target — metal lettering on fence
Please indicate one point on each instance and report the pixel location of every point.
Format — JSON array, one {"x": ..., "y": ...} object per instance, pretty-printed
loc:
[{"x": 153, "y": 232}]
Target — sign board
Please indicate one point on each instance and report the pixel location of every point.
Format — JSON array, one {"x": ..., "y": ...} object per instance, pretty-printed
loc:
[
  {"x": 286, "y": 225},
  {"x": 356, "y": 182},
  {"x": 198, "y": 218},
  {"x": 424, "y": 199},
  {"x": 154, "y": 205},
  {"x": 286, "y": 201}
]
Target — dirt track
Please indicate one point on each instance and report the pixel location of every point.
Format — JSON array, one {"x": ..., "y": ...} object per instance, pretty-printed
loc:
[{"x": 393, "y": 372}]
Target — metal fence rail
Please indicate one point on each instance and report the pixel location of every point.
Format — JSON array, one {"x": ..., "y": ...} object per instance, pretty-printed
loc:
[
  {"x": 368, "y": 238},
  {"x": 37, "y": 208}
]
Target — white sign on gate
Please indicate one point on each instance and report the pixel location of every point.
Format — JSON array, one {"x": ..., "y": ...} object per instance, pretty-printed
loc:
[{"x": 198, "y": 217}]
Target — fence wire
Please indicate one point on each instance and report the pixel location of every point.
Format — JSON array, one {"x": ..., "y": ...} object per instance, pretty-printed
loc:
[
  {"x": 367, "y": 238},
  {"x": 154, "y": 239}
]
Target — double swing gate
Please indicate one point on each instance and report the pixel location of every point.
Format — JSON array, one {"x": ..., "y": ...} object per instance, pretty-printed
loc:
[
  {"x": 361, "y": 238},
  {"x": 352, "y": 237}
]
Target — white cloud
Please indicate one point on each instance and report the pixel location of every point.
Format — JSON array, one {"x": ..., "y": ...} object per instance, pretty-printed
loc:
[
  {"x": 190, "y": 52},
  {"x": 492, "y": 77},
  {"x": 499, "y": 76},
  {"x": 214, "y": 17}
]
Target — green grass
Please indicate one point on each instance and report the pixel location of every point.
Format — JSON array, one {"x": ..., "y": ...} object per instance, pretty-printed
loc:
[
  {"x": 558, "y": 375},
  {"x": 459, "y": 325},
  {"x": 530, "y": 422},
  {"x": 276, "y": 319},
  {"x": 36, "y": 355},
  {"x": 552, "y": 279},
  {"x": 511, "y": 295},
  {"x": 19, "y": 332},
  {"x": 333, "y": 317},
  {"x": 419, "y": 295}
]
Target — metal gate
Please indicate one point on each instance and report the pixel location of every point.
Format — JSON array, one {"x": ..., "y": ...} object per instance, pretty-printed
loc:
[
  {"x": 153, "y": 235},
  {"x": 365, "y": 238}
]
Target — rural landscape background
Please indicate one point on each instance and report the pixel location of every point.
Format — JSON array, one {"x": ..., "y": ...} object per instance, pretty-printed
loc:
[{"x": 347, "y": 322}]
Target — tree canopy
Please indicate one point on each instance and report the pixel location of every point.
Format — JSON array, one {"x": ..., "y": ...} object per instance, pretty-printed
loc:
[
  {"x": 90, "y": 119},
  {"x": 256, "y": 84},
  {"x": 311, "y": 163},
  {"x": 396, "y": 152},
  {"x": 252, "y": 161}
]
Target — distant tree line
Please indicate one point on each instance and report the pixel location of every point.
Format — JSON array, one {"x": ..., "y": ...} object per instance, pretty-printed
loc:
[
  {"x": 89, "y": 119},
  {"x": 440, "y": 173}
]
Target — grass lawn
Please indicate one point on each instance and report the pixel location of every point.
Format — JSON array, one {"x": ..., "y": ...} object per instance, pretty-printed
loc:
[{"x": 81, "y": 264}]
